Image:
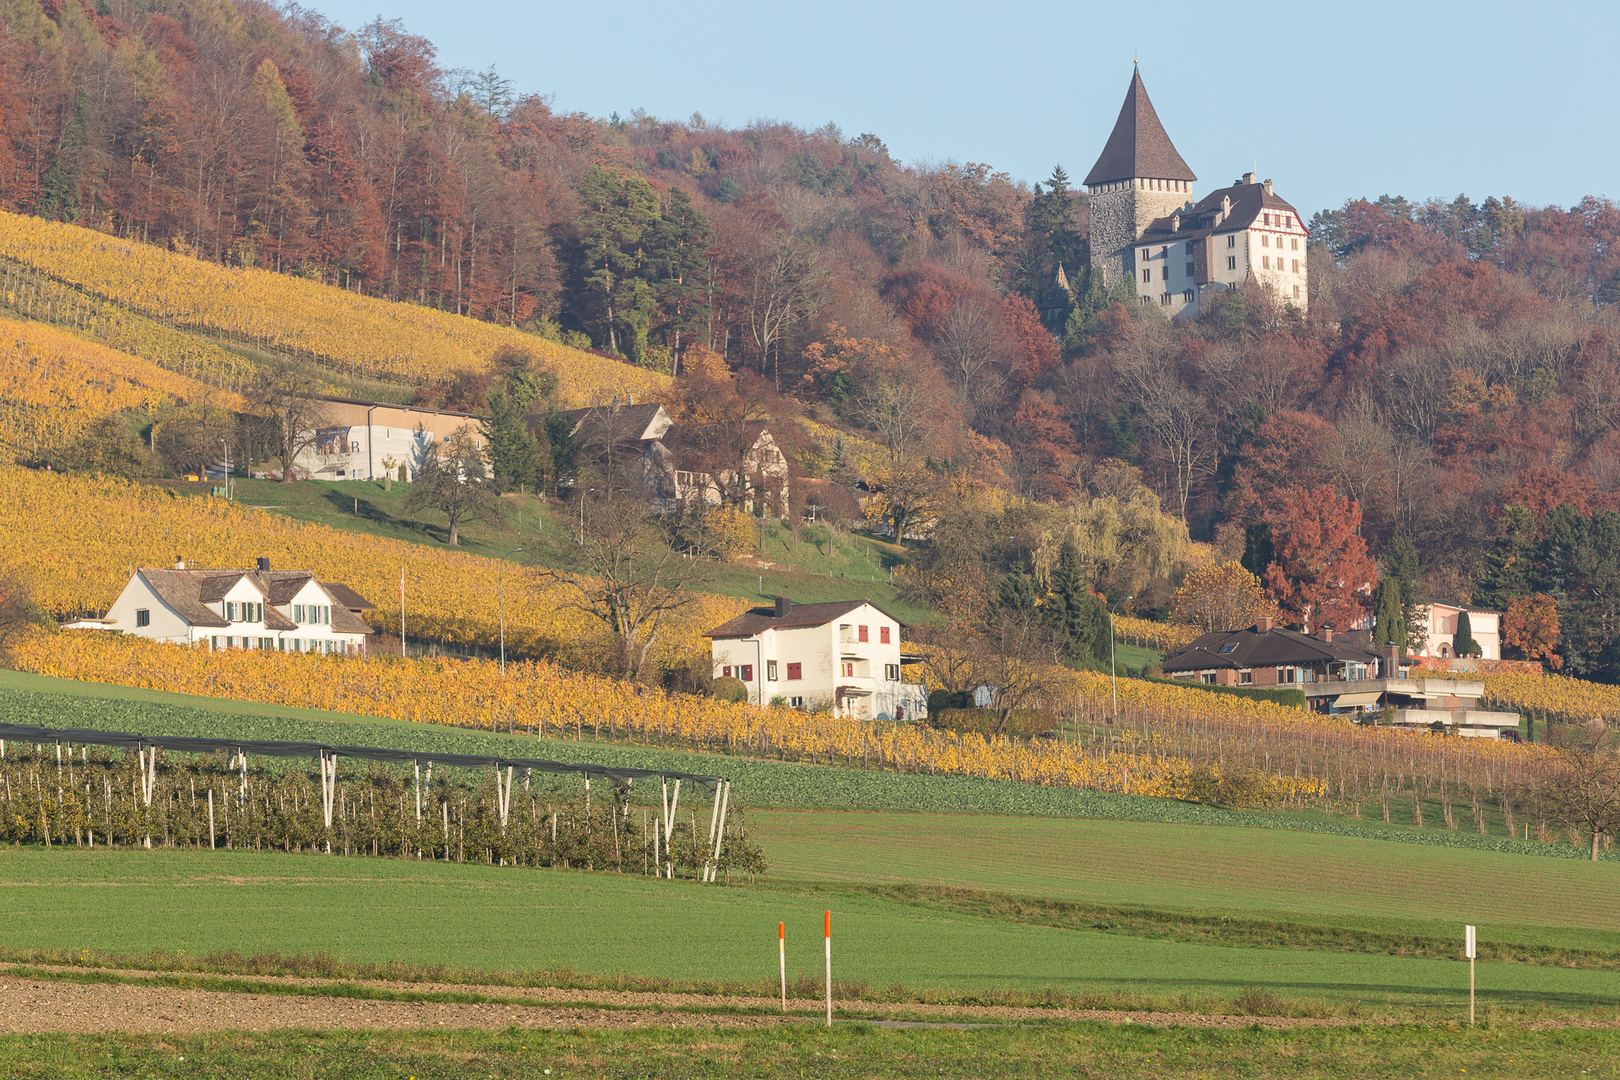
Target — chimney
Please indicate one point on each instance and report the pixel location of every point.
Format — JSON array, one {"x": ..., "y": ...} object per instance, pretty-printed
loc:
[
  {"x": 783, "y": 606},
  {"x": 179, "y": 564},
  {"x": 264, "y": 565},
  {"x": 1263, "y": 625},
  {"x": 1251, "y": 178},
  {"x": 1391, "y": 664},
  {"x": 1268, "y": 187},
  {"x": 1327, "y": 632}
]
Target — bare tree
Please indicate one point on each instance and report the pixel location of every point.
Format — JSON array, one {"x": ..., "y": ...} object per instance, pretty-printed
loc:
[
  {"x": 896, "y": 407},
  {"x": 1011, "y": 656},
  {"x": 782, "y": 282},
  {"x": 968, "y": 347},
  {"x": 286, "y": 390},
  {"x": 631, "y": 575},
  {"x": 454, "y": 480},
  {"x": 1584, "y": 788}
]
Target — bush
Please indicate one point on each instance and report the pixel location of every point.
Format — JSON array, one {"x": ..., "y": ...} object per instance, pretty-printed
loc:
[
  {"x": 1025, "y": 723},
  {"x": 729, "y": 689}
]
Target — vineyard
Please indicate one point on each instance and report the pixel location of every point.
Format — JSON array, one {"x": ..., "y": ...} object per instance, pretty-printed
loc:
[
  {"x": 56, "y": 793},
  {"x": 68, "y": 274},
  {"x": 53, "y": 385},
  {"x": 1164, "y": 742},
  {"x": 101, "y": 529}
]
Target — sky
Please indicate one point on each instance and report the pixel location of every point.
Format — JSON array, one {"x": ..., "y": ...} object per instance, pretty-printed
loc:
[{"x": 1333, "y": 102}]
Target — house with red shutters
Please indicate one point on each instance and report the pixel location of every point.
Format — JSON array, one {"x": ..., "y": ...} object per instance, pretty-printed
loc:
[{"x": 844, "y": 655}]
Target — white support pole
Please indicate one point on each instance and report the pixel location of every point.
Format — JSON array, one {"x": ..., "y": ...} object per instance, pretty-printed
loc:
[
  {"x": 669, "y": 831},
  {"x": 241, "y": 757},
  {"x": 720, "y": 832},
  {"x": 418, "y": 766},
  {"x": 714, "y": 820},
  {"x": 781, "y": 959},
  {"x": 829, "y": 967},
  {"x": 1470, "y": 950},
  {"x": 210, "y": 819}
]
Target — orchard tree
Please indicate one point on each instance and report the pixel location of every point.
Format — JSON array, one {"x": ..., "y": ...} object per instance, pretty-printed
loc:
[
  {"x": 1221, "y": 596},
  {"x": 1321, "y": 573},
  {"x": 454, "y": 480}
]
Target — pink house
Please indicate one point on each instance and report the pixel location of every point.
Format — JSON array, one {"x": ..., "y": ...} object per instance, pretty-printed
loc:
[{"x": 1485, "y": 625}]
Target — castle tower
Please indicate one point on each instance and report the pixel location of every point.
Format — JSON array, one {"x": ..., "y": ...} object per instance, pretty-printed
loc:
[{"x": 1139, "y": 177}]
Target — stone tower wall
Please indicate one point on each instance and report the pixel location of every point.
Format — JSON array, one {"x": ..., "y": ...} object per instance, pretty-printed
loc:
[{"x": 1118, "y": 218}]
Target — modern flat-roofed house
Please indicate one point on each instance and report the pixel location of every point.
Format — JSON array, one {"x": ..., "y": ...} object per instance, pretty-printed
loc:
[
  {"x": 284, "y": 610},
  {"x": 845, "y": 654},
  {"x": 1337, "y": 678}
]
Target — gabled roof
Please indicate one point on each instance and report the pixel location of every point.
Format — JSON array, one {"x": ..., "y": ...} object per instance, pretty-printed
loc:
[
  {"x": 1253, "y": 648},
  {"x": 181, "y": 591},
  {"x": 1139, "y": 145},
  {"x": 636, "y": 423},
  {"x": 348, "y": 597},
  {"x": 1209, "y": 215},
  {"x": 190, "y": 592},
  {"x": 758, "y": 620}
]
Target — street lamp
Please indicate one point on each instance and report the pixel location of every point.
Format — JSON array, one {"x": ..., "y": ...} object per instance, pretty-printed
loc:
[
  {"x": 500, "y": 600},
  {"x": 227, "y": 447},
  {"x": 1113, "y": 668}
]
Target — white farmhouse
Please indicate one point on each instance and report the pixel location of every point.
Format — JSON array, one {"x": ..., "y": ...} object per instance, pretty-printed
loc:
[
  {"x": 845, "y": 654},
  {"x": 365, "y": 440},
  {"x": 284, "y": 610}
]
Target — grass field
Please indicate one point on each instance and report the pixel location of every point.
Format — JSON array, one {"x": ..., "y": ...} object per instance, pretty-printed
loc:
[
  {"x": 487, "y": 918},
  {"x": 857, "y": 1050},
  {"x": 846, "y": 565}
]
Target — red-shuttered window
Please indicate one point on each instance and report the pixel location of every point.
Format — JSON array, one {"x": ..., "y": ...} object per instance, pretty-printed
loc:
[
  {"x": 795, "y": 671},
  {"x": 883, "y": 635},
  {"x": 863, "y": 633}
]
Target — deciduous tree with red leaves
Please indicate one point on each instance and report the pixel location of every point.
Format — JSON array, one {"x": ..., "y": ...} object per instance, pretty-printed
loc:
[{"x": 1321, "y": 573}]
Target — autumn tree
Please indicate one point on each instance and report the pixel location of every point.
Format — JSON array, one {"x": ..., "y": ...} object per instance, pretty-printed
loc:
[
  {"x": 1221, "y": 596},
  {"x": 1584, "y": 787},
  {"x": 287, "y": 392},
  {"x": 1321, "y": 573},
  {"x": 454, "y": 480},
  {"x": 1530, "y": 628}
]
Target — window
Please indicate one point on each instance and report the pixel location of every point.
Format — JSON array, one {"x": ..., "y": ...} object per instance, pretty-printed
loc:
[
  {"x": 1265, "y": 241},
  {"x": 795, "y": 671},
  {"x": 1265, "y": 262},
  {"x": 1285, "y": 675},
  {"x": 770, "y": 670},
  {"x": 862, "y": 633},
  {"x": 1245, "y": 677},
  {"x": 1230, "y": 646},
  {"x": 1294, "y": 243},
  {"x": 746, "y": 673},
  {"x": 1296, "y": 292},
  {"x": 233, "y": 611},
  {"x": 1147, "y": 275},
  {"x": 891, "y": 672},
  {"x": 883, "y": 635},
  {"x": 143, "y": 617},
  {"x": 1164, "y": 253},
  {"x": 1207, "y": 677},
  {"x": 1296, "y": 266},
  {"x": 1147, "y": 253},
  {"x": 847, "y": 669},
  {"x": 1267, "y": 217},
  {"x": 1189, "y": 269},
  {"x": 1187, "y": 295},
  {"x": 214, "y": 642},
  {"x": 844, "y": 632},
  {"x": 725, "y": 672},
  {"x": 1231, "y": 262},
  {"x": 796, "y": 702},
  {"x": 267, "y": 643},
  {"x": 1231, "y": 240},
  {"x": 298, "y": 613},
  {"x": 1164, "y": 300}
]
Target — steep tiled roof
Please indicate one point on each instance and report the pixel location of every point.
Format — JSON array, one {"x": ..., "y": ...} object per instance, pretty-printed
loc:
[
  {"x": 181, "y": 589},
  {"x": 759, "y": 620},
  {"x": 348, "y": 597},
  {"x": 1248, "y": 202},
  {"x": 1253, "y": 648},
  {"x": 1139, "y": 145},
  {"x": 190, "y": 592}
]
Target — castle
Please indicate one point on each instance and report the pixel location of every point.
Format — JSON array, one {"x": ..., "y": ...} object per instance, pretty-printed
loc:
[{"x": 1178, "y": 253}]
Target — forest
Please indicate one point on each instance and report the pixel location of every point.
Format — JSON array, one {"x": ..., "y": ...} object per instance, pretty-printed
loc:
[{"x": 1448, "y": 401}]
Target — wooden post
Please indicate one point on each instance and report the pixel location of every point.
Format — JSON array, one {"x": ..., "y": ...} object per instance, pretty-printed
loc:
[
  {"x": 781, "y": 957},
  {"x": 1470, "y": 950},
  {"x": 828, "y": 932},
  {"x": 210, "y": 819}
]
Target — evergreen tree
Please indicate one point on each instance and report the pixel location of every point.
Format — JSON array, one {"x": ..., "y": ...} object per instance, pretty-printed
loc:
[
  {"x": 1511, "y": 562},
  {"x": 514, "y": 452},
  {"x": 1464, "y": 644},
  {"x": 1401, "y": 565},
  {"x": 1076, "y": 611},
  {"x": 558, "y": 449},
  {"x": 677, "y": 247},
  {"x": 1389, "y": 626},
  {"x": 1258, "y": 550},
  {"x": 617, "y": 209}
]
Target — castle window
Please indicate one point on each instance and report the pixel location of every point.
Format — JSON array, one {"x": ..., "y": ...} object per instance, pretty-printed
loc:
[
  {"x": 1231, "y": 262},
  {"x": 1265, "y": 262},
  {"x": 1231, "y": 240},
  {"x": 1294, "y": 243},
  {"x": 1147, "y": 253},
  {"x": 1187, "y": 296},
  {"x": 1147, "y": 275},
  {"x": 1296, "y": 292},
  {"x": 1164, "y": 300},
  {"x": 1267, "y": 217},
  {"x": 1296, "y": 266},
  {"x": 1189, "y": 269},
  {"x": 1265, "y": 241}
]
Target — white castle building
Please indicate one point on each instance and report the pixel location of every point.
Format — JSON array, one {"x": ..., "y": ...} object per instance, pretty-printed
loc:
[{"x": 1145, "y": 224}]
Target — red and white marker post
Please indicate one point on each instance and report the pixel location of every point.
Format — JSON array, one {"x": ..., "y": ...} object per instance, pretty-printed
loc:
[
  {"x": 829, "y": 967},
  {"x": 781, "y": 956}
]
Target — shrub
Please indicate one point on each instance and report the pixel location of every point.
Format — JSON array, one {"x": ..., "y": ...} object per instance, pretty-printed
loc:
[
  {"x": 1294, "y": 699},
  {"x": 1025, "y": 723},
  {"x": 728, "y": 689}
]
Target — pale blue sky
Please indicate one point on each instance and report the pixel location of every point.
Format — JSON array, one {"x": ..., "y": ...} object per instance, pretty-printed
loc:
[{"x": 1332, "y": 101}]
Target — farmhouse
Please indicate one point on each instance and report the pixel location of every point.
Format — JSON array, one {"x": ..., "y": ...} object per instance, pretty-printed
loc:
[
  {"x": 685, "y": 463},
  {"x": 285, "y": 610},
  {"x": 844, "y": 654},
  {"x": 367, "y": 440},
  {"x": 1337, "y": 678}
]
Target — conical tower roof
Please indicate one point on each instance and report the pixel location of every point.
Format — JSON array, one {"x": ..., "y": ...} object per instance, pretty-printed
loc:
[{"x": 1138, "y": 145}]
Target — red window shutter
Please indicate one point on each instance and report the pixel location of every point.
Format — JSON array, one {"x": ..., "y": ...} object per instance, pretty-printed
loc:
[
  {"x": 863, "y": 636},
  {"x": 747, "y": 673},
  {"x": 883, "y": 634},
  {"x": 725, "y": 672},
  {"x": 795, "y": 671}
]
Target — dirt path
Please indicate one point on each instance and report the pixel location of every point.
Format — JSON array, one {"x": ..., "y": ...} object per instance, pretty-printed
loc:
[{"x": 46, "y": 1005}]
